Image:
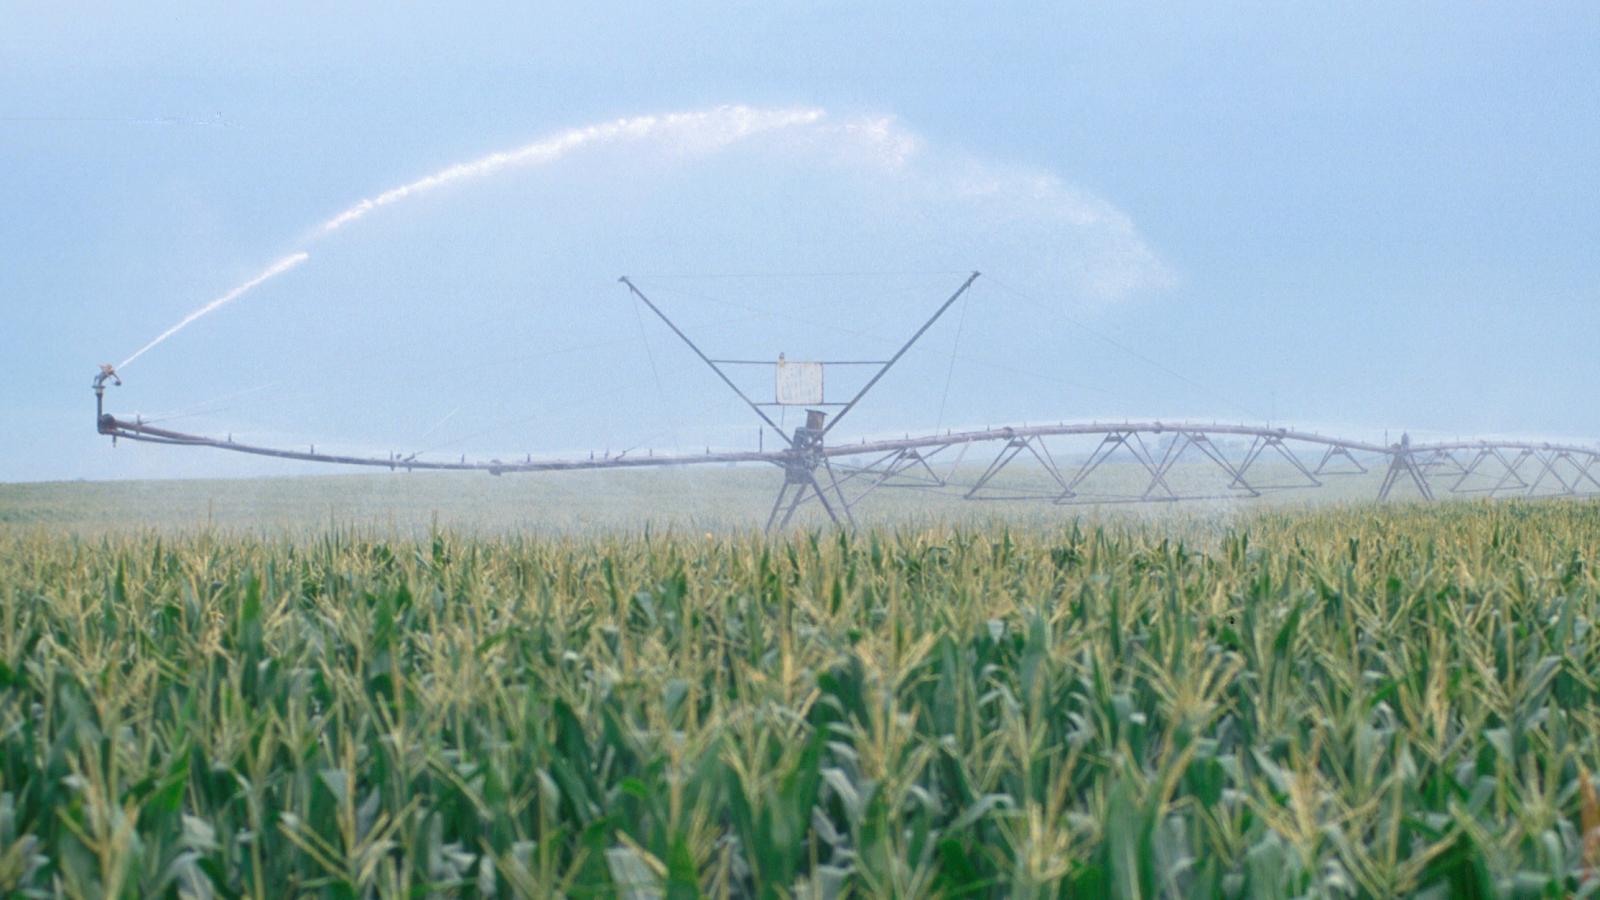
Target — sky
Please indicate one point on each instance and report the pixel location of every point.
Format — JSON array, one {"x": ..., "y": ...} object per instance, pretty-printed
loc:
[{"x": 1361, "y": 218}]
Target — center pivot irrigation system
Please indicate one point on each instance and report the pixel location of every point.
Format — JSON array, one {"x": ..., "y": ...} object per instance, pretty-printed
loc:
[{"x": 840, "y": 476}]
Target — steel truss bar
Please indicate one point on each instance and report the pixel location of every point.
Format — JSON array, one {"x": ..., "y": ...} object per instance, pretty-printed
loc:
[
  {"x": 705, "y": 359},
  {"x": 1006, "y": 455},
  {"x": 1583, "y": 471},
  {"x": 1157, "y": 472},
  {"x": 1512, "y": 470},
  {"x": 1580, "y": 470},
  {"x": 799, "y": 497},
  {"x": 1338, "y": 450},
  {"x": 1402, "y": 462},
  {"x": 1259, "y": 446},
  {"x": 1200, "y": 440},
  {"x": 853, "y": 472},
  {"x": 1467, "y": 472},
  {"x": 825, "y": 362},
  {"x": 1157, "y": 469},
  {"x": 1174, "y": 451},
  {"x": 1250, "y": 455},
  {"x": 1440, "y": 458},
  {"x": 1543, "y": 462},
  {"x": 1204, "y": 442},
  {"x": 807, "y": 488},
  {"x": 955, "y": 466},
  {"x": 1288, "y": 454},
  {"x": 1009, "y": 452},
  {"x": 776, "y": 503},
  {"x": 1548, "y": 462},
  {"x": 896, "y": 465},
  {"x": 916, "y": 458},
  {"x": 1510, "y": 477},
  {"x": 844, "y": 504},
  {"x": 1108, "y": 445}
]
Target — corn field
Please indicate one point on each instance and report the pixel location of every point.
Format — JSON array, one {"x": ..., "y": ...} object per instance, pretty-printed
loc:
[{"x": 1340, "y": 702}]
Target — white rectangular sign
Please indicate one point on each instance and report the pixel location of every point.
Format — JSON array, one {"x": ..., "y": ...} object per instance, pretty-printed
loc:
[{"x": 799, "y": 383}]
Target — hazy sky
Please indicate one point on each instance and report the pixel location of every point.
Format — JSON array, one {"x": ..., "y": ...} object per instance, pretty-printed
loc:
[{"x": 1349, "y": 217}]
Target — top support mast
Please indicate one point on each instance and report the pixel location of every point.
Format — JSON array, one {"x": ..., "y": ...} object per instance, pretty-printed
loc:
[
  {"x": 706, "y": 359},
  {"x": 902, "y": 351}
]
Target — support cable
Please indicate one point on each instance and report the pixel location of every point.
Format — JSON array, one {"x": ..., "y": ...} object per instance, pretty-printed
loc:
[
  {"x": 839, "y": 416},
  {"x": 1129, "y": 350},
  {"x": 856, "y": 332},
  {"x": 950, "y": 373},
  {"x": 703, "y": 358},
  {"x": 661, "y": 393}
]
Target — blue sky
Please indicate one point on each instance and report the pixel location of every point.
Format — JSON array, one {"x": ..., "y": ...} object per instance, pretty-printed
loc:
[{"x": 1362, "y": 217}]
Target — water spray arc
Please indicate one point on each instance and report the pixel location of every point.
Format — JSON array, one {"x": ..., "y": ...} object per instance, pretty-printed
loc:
[
  {"x": 695, "y": 131},
  {"x": 710, "y": 128},
  {"x": 278, "y": 268}
]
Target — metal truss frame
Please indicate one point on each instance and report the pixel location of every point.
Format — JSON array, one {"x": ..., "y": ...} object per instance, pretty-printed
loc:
[{"x": 815, "y": 470}]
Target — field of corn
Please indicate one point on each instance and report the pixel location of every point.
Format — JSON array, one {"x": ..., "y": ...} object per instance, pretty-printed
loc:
[{"x": 1346, "y": 701}]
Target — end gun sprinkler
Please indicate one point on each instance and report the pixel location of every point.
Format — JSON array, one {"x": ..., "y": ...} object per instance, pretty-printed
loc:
[{"x": 103, "y": 422}]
